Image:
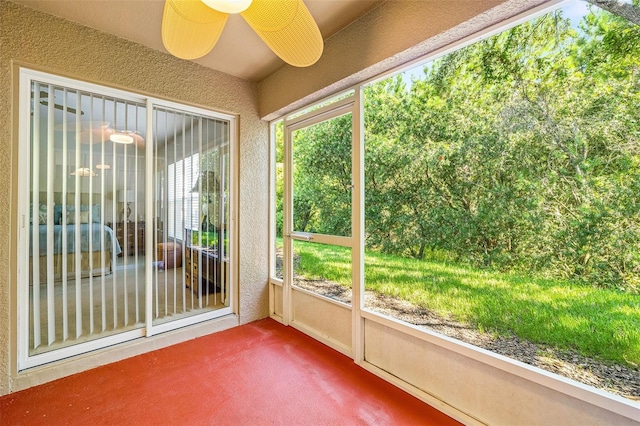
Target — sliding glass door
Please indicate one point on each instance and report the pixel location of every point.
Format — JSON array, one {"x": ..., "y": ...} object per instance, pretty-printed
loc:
[{"x": 125, "y": 207}]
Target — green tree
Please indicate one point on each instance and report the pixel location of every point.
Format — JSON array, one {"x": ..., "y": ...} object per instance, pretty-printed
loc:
[
  {"x": 500, "y": 154},
  {"x": 322, "y": 179}
]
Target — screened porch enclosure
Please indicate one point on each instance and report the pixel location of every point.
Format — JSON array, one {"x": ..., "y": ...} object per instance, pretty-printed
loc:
[{"x": 127, "y": 212}]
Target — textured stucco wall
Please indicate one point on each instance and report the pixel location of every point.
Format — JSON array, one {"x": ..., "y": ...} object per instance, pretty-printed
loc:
[
  {"x": 396, "y": 32},
  {"x": 58, "y": 46}
]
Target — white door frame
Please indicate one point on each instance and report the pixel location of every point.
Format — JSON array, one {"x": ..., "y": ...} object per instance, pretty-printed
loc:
[
  {"x": 24, "y": 360},
  {"x": 351, "y": 104}
]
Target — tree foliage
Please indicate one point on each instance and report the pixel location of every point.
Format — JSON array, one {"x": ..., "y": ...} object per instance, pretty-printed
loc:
[
  {"x": 519, "y": 152},
  {"x": 322, "y": 177}
]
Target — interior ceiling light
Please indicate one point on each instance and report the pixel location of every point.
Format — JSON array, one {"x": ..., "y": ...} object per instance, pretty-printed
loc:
[
  {"x": 228, "y": 6},
  {"x": 102, "y": 132},
  {"x": 84, "y": 172},
  {"x": 190, "y": 28},
  {"x": 121, "y": 137}
]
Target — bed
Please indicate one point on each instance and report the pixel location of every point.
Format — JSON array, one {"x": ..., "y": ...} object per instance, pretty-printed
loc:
[{"x": 89, "y": 260}]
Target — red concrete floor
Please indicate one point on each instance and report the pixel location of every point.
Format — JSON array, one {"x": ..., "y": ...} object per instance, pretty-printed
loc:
[{"x": 261, "y": 373}]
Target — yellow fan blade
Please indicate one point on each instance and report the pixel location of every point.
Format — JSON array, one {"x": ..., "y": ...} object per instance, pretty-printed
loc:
[
  {"x": 287, "y": 27},
  {"x": 190, "y": 29}
]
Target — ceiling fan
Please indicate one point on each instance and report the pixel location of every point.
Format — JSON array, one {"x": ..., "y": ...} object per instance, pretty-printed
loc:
[
  {"x": 190, "y": 28},
  {"x": 91, "y": 131}
]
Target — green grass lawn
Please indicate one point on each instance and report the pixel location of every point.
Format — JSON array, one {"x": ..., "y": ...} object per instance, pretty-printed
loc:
[{"x": 600, "y": 323}]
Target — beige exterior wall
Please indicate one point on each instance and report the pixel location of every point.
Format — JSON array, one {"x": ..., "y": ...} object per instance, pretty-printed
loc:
[{"x": 53, "y": 45}]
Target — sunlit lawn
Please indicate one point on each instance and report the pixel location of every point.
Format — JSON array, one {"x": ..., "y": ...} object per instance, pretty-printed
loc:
[{"x": 600, "y": 323}]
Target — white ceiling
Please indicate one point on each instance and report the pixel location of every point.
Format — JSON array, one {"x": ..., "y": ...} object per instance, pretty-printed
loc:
[{"x": 239, "y": 51}]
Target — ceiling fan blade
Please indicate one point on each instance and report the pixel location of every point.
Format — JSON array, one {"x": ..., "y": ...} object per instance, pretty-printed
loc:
[
  {"x": 96, "y": 134},
  {"x": 138, "y": 141},
  {"x": 44, "y": 96},
  {"x": 85, "y": 125},
  {"x": 62, "y": 108},
  {"x": 190, "y": 29},
  {"x": 287, "y": 27}
]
